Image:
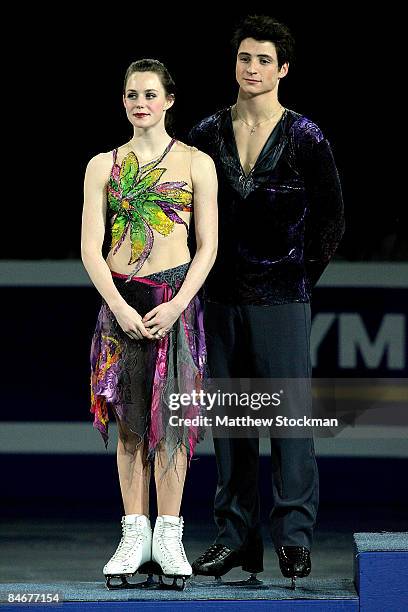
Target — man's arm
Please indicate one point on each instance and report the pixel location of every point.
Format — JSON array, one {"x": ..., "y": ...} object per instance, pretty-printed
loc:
[{"x": 324, "y": 226}]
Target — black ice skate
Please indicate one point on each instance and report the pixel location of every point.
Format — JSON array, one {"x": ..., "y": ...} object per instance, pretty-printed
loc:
[
  {"x": 219, "y": 559},
  {"x": 294, "y": 562}
]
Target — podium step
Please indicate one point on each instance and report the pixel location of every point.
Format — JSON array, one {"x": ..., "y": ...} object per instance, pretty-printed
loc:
[
  {"x": 274, "y": 595},
  {"x": 380, "y": 584},
  {"x": 381, "y": 571}
]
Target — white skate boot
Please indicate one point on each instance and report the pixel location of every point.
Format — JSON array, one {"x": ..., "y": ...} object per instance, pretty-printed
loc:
[
  {"x": 133, "y": 552},
  {"x": 168, "y": 550}
]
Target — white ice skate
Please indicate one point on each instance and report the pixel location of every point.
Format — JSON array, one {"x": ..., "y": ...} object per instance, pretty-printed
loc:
[
  {"x": 133, "y": 553},
  {"x": 168, "y": 550}
]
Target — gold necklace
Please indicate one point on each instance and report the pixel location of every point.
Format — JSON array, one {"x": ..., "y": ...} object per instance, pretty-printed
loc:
[{"x": 253, "y": 127}]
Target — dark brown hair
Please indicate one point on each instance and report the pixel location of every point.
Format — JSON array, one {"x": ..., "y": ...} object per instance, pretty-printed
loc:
[{"x": 263, "y": 27}]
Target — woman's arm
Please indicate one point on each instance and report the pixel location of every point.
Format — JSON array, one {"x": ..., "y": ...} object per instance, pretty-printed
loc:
[
  {"x": 92, "y": 236},
  {"x": 205, "y": 187}
]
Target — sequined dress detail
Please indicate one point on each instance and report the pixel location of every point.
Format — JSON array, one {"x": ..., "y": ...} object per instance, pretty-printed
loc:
[{"x": 140, "y": 203}]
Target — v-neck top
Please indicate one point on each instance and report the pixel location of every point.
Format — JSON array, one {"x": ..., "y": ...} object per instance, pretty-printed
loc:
[
  {"x": 267, "y": 148},
  {"x": 280, "y": 224}
]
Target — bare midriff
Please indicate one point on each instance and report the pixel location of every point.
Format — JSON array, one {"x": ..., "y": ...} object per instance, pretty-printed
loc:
[{"x": 167, "y": 252}]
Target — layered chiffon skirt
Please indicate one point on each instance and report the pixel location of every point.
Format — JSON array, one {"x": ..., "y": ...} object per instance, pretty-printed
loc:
[{"x": 139, "y": 379}]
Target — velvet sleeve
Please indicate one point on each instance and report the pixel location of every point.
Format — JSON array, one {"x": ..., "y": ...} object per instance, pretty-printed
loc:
[
  {"x": 197, "y": 138},
  {"x": 324, "y": 225}
]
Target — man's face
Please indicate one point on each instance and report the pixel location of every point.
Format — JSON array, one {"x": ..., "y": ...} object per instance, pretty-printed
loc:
[{"x": 257, "y": 69}]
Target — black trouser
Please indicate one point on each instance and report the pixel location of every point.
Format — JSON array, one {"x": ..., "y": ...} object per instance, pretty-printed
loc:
[{"x": 262, "y": 342}]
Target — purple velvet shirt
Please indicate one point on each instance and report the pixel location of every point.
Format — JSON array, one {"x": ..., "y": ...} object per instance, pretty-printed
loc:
[{"x": 279, "y": 225}]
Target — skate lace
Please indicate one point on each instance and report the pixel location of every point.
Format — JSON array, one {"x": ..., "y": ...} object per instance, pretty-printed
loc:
[
  {"x": 300, "y": 555},
  {"x": 173, "y": 542},
  {"x": 131, "y": 534},
  {"x": 297, "y": 554},
  {"x": 214, "y": 548}
]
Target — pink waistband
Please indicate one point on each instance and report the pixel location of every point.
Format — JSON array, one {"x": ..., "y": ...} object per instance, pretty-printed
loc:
[{"x": 139, "y": 279}]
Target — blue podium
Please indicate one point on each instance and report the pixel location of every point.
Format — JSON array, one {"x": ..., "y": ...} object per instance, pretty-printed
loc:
[
  {"x": 380, "y": 585},
  {"x": 381, "y": 571}
]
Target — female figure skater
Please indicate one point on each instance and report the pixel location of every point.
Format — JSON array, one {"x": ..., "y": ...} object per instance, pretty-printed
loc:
[{"x": 149, "y": 340}]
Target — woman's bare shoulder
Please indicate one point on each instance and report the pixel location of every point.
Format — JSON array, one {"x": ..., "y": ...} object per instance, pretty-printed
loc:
[
  {"x": 101, "y": 163},
  {"x": 185, "y": 148},
  {"x": 196, "y": 154}
]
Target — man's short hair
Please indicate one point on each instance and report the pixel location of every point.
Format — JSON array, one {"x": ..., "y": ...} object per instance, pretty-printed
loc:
[{"x": 263, "y": 27}]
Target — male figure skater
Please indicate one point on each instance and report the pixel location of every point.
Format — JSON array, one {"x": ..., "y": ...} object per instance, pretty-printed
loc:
[{"x": 280, "y": 221}]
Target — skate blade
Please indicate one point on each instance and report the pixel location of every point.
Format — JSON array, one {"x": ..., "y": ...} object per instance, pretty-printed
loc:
[
  {"x": 178, "y": 584},
  {"x": 219, "y": 582},
  {"x": 125, "y": 584},
  {"x": 253, "y": 581}
]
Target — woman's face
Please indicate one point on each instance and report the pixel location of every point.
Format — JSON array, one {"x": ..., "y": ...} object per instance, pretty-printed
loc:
[{"x": 145, "y": 99}]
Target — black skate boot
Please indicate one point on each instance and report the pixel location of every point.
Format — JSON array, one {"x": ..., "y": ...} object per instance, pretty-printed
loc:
[
  {"x": 219, "y": 559},
  {"x": 294, "y": 562}
]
